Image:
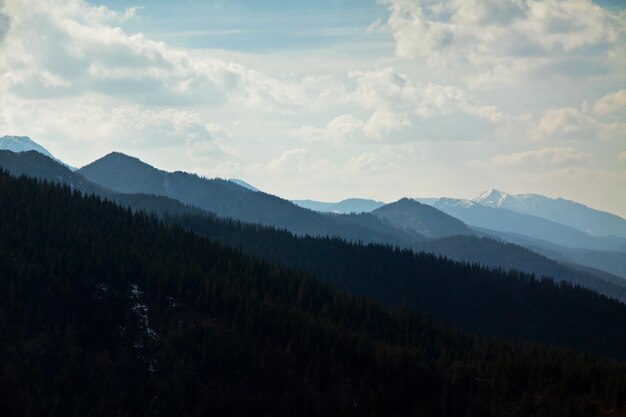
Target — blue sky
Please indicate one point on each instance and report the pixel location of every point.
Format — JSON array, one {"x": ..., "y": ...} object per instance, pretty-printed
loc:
[{"x": 331, "y": 99}]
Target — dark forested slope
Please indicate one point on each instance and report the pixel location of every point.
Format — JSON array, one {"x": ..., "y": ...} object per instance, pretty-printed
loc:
[
  {"x": 104, "y": 312},
  {"x": 472, "y": 249},
  {"x": 494, "y": 302}
]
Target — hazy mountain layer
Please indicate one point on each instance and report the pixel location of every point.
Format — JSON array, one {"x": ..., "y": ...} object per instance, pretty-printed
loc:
[
  {"x": 126, "y": 174},
  {"x": 350, "y": 205},
  {"x": 560, "y": 210},
  {"x": 421, "y": 218},
  {"x": 505, "y": 220}
]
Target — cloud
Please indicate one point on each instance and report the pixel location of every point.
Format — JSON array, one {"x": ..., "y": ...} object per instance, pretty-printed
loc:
[
  {"x": 566, "y": 122},
  {"x": 543, "y": 157},
  {"x": 82, "y": 52},
  {"x": 348, "y": 128},
  {"x": 341, "y": 129},
  {"x": 390, "y": 91},
  {"x": 571, "y": 123},
  {"x": 106, "y": 125},
  {"x": 290, "y": 161},
  {"x": 369, "y": 162},
  {"x": 382, "y": 123},
  {"x": 4, "y": 23},
  {"x": 490, "y": 38},
  {"x": 622, "y": 157},
  {"x": 611, "y": 103}
]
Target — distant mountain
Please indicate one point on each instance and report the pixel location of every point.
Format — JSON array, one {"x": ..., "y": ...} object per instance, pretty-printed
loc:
[
  {"x": 243, "y": 184},
  {"x": 36, "y": 165},
  {"x": 571, "y": 213},
  {"x": 127, "y": 174},
  {"x": 421, "y": 218},
  {"x": 350, "y": 205},
  {"x": 356, "y": 205},
  {"x": 20, "y": 144},
  {"x": 504, "y": 220},
  {"x": 314, "y": 205},
  {"x": 613, "y": 262}
]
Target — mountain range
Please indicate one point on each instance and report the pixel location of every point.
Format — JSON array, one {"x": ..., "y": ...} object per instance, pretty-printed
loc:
[
  {"x": 504, "y": 220},
  {"x": 406, "y": 223},
  {"x": 570, "y": 213}
]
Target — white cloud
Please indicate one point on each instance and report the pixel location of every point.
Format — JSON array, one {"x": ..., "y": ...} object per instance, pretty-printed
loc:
[
  {"x": 611, "y": 103},
  {"x": 290, "y": 161},
  {"x": 106, "y": 126},
  {"x": 81, "y": 52},
  {"x": 382, "y": 123},
  {"x": 498, "y": 28},
  {"x": 348, "y": 128},
  {"x": 570, "y": 123},
  {"x": 544, "y": 156},
  {"x": 390, "y": 91},
  {"x": 341, "y": 129},
  {"x": 369, "y": 162},
  {"x": 487, "y": 40},
  {"x": 567, "y": 122}
]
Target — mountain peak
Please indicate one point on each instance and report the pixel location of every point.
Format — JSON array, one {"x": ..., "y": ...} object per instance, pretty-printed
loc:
[
  {"x": 19, "y": 144},
  {"x": 421, "y": 218},
  {"x": 118, "y": 159},
  {"x": 22, "y": 144},
  {"x": 119, "y": 155},
  {"x": 492, "y": 197}
]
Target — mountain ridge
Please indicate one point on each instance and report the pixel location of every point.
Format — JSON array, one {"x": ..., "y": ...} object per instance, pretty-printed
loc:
[
  {"x": 570, "y": 213},
  {"x": 126, "y": 174},
  {"x": 346, "y": 206},
  {"x": 161, "y": 205}
]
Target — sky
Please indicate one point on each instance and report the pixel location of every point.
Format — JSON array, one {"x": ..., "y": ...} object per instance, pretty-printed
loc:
[{"x": 331, "y": 99}]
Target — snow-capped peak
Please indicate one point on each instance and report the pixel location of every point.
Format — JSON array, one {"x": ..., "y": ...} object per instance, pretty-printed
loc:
[
  {"x": 19, "y": 144},
  {"x": 492, "y": 198},
  {"x": 22, "y": 144}
]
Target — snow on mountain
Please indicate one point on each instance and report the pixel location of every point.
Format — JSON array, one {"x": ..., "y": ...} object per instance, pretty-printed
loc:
[
  {"x": 22, "y": 144},
  {"x": 567, "y": 212},
  {"x": 493, "y": 198},
  {"x": 440, "y": 202},
  {"x": 19, "y": 144}
]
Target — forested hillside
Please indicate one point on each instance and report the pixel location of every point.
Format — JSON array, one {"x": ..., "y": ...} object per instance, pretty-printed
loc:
[
  {"x": 105, "y": 312},
  {"x": 494, "y": 302}
]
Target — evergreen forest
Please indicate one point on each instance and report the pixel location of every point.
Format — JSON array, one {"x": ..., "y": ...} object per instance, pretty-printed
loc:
[{"x": 109, "y": 312}]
